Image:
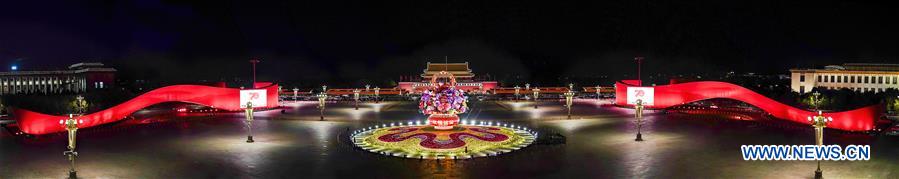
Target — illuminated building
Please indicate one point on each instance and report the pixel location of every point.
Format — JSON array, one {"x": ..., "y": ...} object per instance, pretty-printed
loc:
[
  {"x": 80, "y": 77},
  {"x": 861, "y": 77},
  {"x": 463, "y": 74}
]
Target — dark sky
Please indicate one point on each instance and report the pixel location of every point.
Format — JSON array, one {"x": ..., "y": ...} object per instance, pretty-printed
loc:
[{"x": 317, "y": 41}]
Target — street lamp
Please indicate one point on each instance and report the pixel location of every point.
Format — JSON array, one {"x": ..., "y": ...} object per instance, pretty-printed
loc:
[
  {"x": 71, "y": 125},
  {"x": 568, "y": 96},
  {"x": 570, "y": 86},
  {"x": 295, "y": 92},
  {"x": 816, "y": 100},
  {"x": 638, "y": 116},
  {"x": 71, "y": 157},
  {"x": 356, "y": 97},
  {"x": 254, "y": 61},
  {"x": 527, "y": 86},
  {"x": 516, "y": 92},
  {"x": 536, "y": 94},
  {"x": 80, "y": 105},
  {"x": 377, "y": 95},
  {"x": 321, "y": 104},
  {"x": 324, "y": 88},
  {"x": 639, "y": 61},
  {"x": 597, "y": 92},
  {"x": 249, "y": 120},
  {"x": 366, "y": 87},
  {"x": 280, "y": 88},
  {"x": 819, "y": 122}
]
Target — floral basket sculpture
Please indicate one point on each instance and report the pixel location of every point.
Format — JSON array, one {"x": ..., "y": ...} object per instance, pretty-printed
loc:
[{"x": 442, "y": 102}]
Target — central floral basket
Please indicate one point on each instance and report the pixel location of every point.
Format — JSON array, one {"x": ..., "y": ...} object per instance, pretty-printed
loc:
[
  {"x": 442, "y": 102},
  {"x": 442, "y": 136}
]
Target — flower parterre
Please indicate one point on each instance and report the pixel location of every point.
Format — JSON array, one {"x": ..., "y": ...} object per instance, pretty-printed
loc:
[{"x": 413, "y": 141}]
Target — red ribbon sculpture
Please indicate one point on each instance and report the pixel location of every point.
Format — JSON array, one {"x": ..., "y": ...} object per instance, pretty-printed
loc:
[
  {"x": 31, "y": 122},
  {"x": 861, "y": 119}
]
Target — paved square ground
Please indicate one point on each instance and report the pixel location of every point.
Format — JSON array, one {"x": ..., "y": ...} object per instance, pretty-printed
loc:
[{"x": 295, "y": 144}]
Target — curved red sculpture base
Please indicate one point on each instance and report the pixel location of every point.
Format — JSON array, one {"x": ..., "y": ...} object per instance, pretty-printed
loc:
[
  {"x": 443, "y": 121},
  {"x": 31, "y": 122},
  {"x": 861, "y": 119}
]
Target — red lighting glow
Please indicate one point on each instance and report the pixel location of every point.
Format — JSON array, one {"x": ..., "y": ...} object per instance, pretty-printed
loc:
[
  {"x": 36, "y": 123},
  {"x": 861, "y": 119}
]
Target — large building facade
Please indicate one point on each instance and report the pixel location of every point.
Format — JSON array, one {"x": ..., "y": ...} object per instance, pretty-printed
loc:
[
  {"x": 78, "y": 78},
  {"x": 861, "y": 77},
  {"x": 464, "y": 77}
]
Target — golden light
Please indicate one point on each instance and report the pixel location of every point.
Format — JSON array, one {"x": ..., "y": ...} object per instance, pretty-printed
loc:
[{"x": 376, "y": 107}]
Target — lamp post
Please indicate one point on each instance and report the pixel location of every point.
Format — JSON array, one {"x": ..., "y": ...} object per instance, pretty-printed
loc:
[
  {"x": 71, "y": 125},
  {"x": 639, "y": 61},
  {"x": 377, "y": 95},
  {"x": 254, "y": 61},
  {"x": 366, "y": 87},
  {"x": 324, "y": 88},
  {"x": 248, "y": 110},
  {"x": 295, "y": 92},
  {"x": 516, "y": 92},
  {"x": 71, "y": 156},
  {"x": 819, "y": 122},
  {"x": 570, "y": 86},
  {"x": 597, "y": 92},
  {"x": 321, "y": 104},
  {"x": 280, "y": 88},
  {"x": 816, "y": 100},
  {"x": 527, "y": 86},
  {"x": 80, "y": 105},
  {"x": 536, "y": 94},
  {"x": 356, "y": 97},
  {"x": 638, "y": 117},
  {"x": 568, "y": 96}
]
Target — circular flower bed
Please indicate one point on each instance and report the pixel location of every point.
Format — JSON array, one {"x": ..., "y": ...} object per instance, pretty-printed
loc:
[{"x": 460, "y": 142}]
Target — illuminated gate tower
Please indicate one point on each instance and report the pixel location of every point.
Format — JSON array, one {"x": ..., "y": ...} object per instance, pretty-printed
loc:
[
  {"x": 443, "y": 101},
  {"x": 465, "y": 79}
]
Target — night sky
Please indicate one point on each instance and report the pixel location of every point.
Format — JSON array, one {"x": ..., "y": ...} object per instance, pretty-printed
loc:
[{"x": 372, "y": 41}]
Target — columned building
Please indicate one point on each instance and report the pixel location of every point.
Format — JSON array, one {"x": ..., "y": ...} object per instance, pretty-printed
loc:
[
  {"x": 78, "y": 78},
  {"x": 861, "y": 77},
  {"x": 465, "y": 79}
]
